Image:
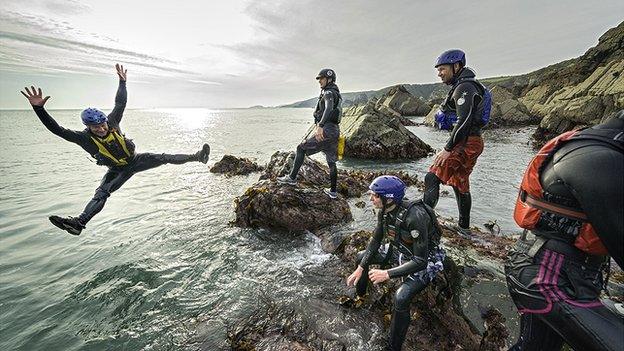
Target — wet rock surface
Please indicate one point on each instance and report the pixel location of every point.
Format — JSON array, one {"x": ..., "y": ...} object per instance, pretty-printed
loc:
[
  {"x": 331, "y": 320},
  {"x": 373, "y": 134},
  {"x": 351, "y": 183},
  {"x": 268, "y": 204},
  {"x": 304, "y": 206},
  {"x": 231, "y": 166}
]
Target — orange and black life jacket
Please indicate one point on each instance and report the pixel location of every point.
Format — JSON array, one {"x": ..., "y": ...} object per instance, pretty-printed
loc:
[
  {"x": 114, "y": 149},
  {"x": 531, "y": 205}
]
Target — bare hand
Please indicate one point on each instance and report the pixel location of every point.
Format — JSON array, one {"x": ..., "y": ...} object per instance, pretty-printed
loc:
[
  {"x": 319, "y": 133},
  {"x": 355, "y": 276},
  {"x": 121, "y": 72},
  {"x": 378, "y": 275},
  {"x": 441, "y": 158},
  {"x": 35, "y": 96}
]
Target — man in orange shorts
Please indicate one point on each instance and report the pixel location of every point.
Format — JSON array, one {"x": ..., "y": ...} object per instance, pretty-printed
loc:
[{"x": 464, "y": 112}]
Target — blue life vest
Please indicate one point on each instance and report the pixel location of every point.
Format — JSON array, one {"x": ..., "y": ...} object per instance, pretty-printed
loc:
[{"x": 446, "y": 120}]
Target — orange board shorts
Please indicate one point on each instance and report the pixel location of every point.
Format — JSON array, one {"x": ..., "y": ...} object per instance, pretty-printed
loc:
[{"x": 459, "y": 165}]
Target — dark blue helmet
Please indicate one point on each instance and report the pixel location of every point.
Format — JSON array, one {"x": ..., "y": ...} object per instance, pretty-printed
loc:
[
  {"x": 450, "y": 57},
  {"x": 327, "y": 73},
  {"x": 93, "y": 116},
  {"x": 389, "y": 187}
]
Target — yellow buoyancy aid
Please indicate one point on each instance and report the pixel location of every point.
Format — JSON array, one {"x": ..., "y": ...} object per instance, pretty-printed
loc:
[{"x": 113, "y": 148}]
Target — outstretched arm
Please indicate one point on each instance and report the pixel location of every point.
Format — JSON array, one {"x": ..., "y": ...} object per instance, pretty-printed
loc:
[
  {"x": 121, "y": 98},
  {"x": 36, "y": 99}
]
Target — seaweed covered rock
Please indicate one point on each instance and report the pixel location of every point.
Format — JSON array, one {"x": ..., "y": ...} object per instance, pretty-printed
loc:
[
  {"x": 438, "y": 320},
  {"x": 373, "y": 134},
  {"x": 232, "y": 165},
  {"x": 268, "y": 204},
  {"x": 351, "y": 183}
]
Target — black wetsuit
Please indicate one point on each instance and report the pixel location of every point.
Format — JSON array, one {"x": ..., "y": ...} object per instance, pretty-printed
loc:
[
  {"x": 556, "y": 285},
  {"x": 327, "y": 115},
  {"x": 414, "y": 247},
  {"x": 116, "y": 175},
  {"x": 465, "y": 99}
]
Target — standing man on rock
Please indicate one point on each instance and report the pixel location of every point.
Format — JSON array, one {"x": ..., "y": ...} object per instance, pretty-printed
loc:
[
  {"x": 103, "y": 139},
  {"x": 465, "y": 110},
  {"x": 413, "y": 238},
  {"x": 572, "y": 200},
  {"x": 327, "y": 117}
]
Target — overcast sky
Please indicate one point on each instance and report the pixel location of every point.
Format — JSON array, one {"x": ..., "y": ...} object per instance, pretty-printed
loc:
[{"x": 238, "y": 53}]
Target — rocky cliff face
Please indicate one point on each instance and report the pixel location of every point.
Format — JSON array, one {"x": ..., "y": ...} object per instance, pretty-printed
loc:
[{"x": 581, "y": 91}]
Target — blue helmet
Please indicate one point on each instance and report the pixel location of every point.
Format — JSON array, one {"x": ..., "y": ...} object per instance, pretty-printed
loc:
[
  {"x": 93, "y": 116},
  {"x": 389, "y": 187},
  {"x": 450, "y": 57}
]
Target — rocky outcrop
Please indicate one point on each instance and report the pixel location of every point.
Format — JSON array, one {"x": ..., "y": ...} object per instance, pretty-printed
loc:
[
  {"x": 232, "y": 165},
  {"x": 331, "y": 320},
  {"x": 371, "y": 134},
  {"x": 400, "y": 102},
  {"x": 507, "y": 110},
  {"x": 268, "y": 204},
  {"x": 351, "y": 183}
]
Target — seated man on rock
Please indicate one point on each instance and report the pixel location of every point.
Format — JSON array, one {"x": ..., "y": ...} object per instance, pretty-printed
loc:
[{"x": 412, "y": 238}]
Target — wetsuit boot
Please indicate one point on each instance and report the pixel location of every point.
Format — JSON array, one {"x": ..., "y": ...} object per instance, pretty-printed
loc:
[
  {"x": 291, "y": 178},
  {"x": 464, "y": 203},
  {"x": 333, "y": 179},
  {"x": 70, "y": 224},
  {"x": 398, "y": 328},
  {"x": 204, "y": 154}
]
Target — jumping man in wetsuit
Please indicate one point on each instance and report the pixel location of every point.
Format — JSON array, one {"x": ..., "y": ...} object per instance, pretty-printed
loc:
[
  {"x": 571, "y": 200},
  {"x": 453, "y": 165},
  {"x": 104, "y": 140},
  {"x": 326, "y": 118},
  {"x": 413, "y": 238}
]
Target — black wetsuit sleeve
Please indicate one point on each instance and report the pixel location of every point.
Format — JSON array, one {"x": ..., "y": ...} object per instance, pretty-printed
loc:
[
  {"x": 120, "y": 104},
  {"x": 420, "y": 247},
  {"x": 49, "y": 122},
  {"x": 594, "y": 176},
  {"x": 466, "y": 98},
  {"x": 373, "y": 244},
  {"x": 328, "y": 99}
]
